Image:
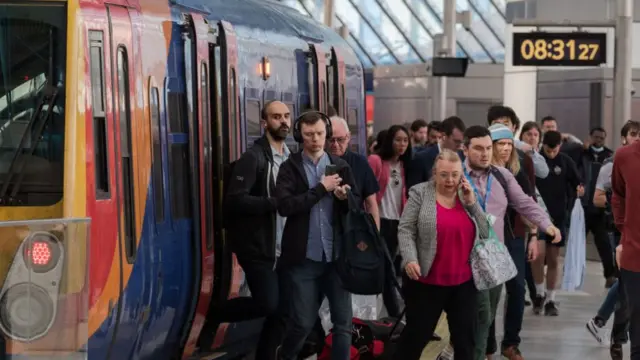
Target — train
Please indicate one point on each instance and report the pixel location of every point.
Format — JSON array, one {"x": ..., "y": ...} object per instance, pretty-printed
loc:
[{"x": 117, "y": 121}]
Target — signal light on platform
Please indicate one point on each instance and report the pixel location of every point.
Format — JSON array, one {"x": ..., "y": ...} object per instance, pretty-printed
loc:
[
  {"x": 41, "y": 253},
  {"x": 449, "y": 66}
]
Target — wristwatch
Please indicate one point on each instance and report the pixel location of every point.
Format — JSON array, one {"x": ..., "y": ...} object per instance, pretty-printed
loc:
[{"x": 531, "y": 236}]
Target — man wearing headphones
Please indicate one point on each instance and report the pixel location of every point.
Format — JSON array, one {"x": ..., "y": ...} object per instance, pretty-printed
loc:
[{"x": 311, "y": 193}]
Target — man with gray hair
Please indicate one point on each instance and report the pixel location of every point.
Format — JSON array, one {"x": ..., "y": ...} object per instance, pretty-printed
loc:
[{"x": 366, "y": 184}]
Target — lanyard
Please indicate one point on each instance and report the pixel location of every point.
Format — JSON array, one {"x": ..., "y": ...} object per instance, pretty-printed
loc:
[{"x": 483, "y": 202}]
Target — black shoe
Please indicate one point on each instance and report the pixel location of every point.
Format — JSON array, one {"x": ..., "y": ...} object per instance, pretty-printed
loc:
[
  {"x": 551, "y": 309},
  {"x": 527, "y": 303},
  {"x": 538, "y": 302},
  {"x": 616, "y": 351}
]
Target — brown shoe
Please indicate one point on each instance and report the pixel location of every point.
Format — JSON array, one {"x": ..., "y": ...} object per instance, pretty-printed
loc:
[{"x": 512, "y": 353}]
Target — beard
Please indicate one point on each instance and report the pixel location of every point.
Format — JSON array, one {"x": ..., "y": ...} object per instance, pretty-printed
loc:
[{"x": 279, "y": 134}]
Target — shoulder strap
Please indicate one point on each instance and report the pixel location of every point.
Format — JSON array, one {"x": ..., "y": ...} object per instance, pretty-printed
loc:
[{"x": 503, "y": 182}]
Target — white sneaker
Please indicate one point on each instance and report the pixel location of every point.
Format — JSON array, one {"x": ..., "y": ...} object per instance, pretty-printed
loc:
[{"x": 598, "y": 332}]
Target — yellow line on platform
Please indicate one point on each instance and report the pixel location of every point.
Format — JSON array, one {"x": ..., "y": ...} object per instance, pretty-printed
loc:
[{"x": 433, "y": 349}]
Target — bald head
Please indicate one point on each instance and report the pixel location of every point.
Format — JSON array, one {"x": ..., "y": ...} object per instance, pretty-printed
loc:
[
  {"x": 339, "y": 141},
  {"x": 276, "y": 119}
]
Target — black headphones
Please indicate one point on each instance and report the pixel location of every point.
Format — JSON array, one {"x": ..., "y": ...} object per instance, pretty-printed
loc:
[{"x": 297, "y": 135}]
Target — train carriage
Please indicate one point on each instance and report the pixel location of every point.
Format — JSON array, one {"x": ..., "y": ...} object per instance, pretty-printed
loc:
[{"x": 126, "y": 112}]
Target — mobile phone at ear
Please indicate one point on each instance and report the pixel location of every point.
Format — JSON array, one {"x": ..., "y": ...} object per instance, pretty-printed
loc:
[{"x": 330, "y": 169}]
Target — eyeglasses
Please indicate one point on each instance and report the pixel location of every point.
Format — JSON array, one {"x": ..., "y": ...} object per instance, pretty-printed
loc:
[{"x": 340, "y": 140}]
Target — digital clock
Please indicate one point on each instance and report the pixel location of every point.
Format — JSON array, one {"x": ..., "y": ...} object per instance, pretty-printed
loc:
[{"x": 559, "y": 49}]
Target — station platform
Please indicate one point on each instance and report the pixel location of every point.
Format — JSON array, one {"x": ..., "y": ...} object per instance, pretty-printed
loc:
[{"x": 563, "y": 337}]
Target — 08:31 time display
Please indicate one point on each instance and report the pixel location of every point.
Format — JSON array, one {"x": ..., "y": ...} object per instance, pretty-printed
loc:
[{"x": 557, "y": 50}]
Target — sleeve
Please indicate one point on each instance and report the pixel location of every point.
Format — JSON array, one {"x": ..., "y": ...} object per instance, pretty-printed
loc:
[
  {"x": 522, "y": 179},
  {"x": 618, "y": 189},
  {"x": 370, "y": 185},
  {"x": 604, "y": 177},
  {"x": 523, "y": 203},
  {"x": 528, "y": 181},
  {"x": 290, "y": 203},
  {"x": 242, "y": 180},
  {"x": 540, "y": 167},
  {"x": 420, "y": 168},
  {"x": 574, "y": 175},
  {"x": 408, "y": 226},
  {"x": 480, "y": 218}
]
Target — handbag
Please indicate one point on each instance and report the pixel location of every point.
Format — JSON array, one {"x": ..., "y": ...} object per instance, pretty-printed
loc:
[{"x": 491, "y": 263}]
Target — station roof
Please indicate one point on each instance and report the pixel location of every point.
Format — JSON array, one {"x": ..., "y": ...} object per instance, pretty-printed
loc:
[{"x": 385, "y": 32}]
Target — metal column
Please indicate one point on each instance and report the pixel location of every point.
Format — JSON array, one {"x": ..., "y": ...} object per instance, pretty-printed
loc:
[
  {"x": 444, "y": 45},
  {"x": 623, "y": 68},
  {"x": 329, "y": 11}
]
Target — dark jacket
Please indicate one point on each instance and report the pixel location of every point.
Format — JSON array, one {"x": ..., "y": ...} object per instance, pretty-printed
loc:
[
  {"x": 295, "y": 200},
  {"x": 248, "y": 202},
  {"x": 558, "y": 189},
  {"x": 589, "y": 168},
  {"x": 421, "y": 166}
]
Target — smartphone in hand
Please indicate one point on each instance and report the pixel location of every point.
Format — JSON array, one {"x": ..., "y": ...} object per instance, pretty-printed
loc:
[{"x": 331, "y": 169}]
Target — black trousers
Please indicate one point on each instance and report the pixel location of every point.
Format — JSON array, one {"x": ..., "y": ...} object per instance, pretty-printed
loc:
[
  {"x": 631, "y": 281},
  {"x": 389, "y": 231},
  {"x": 425, "y": 304},
  {"x": 596, "y": 223},
  {"x": 269, "y": 299}
]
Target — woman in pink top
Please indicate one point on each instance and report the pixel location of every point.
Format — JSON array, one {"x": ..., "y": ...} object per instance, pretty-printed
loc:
[
  {"x": 438, "y": 229},
  {"x": 389, "y": 166}
]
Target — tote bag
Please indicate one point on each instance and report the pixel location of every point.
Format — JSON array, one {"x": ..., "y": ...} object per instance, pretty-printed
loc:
[{"x": 491, "y": 263}]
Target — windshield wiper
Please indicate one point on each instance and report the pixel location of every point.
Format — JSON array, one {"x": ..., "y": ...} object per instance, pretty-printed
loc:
[{"x": 38, "y": 121}]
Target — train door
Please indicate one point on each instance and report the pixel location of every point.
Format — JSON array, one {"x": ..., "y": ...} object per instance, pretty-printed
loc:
[
  {"x": 225, "y": 145},
  {"x": 126, "y": 179},
  {"x": 196, "y": 58},
  {"x": 336, "y": 79}
]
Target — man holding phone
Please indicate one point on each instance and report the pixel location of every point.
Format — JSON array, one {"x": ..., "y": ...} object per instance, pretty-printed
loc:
[{"x": 311, "y": 193}]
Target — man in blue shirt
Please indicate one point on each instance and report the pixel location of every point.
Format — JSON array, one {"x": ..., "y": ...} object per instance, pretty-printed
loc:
[{"x": 312, "y": 199}]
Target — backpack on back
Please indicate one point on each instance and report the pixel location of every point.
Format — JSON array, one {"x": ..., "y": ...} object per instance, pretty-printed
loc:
[{"x": 363, "y": 260}]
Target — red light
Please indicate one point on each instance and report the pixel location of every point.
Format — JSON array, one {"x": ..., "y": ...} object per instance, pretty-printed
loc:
[
  {"x": 40, "y": 253},
  {"x": 26, "y": 78}
]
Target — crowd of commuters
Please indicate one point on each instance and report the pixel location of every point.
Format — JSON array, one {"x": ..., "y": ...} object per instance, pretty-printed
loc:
[{"x": 434, "y": 190}]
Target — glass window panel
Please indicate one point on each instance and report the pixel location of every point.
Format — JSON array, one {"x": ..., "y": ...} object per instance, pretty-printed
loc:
[
  {"x": 434, "y": 24},
  {"x": 361, "y": 55},
  {"x": 494, "y": 18},
  {"x": 416, "y": 33}
]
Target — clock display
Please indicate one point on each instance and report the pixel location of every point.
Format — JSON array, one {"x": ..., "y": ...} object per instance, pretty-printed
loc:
[{"x": 559, "y": 49}]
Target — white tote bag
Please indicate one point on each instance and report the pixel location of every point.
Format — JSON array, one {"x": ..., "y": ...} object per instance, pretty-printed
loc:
[{"x": 575, "y": 256}]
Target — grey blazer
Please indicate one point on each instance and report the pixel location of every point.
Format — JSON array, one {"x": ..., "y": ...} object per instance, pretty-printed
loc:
[{"x": 417, "y": 235}]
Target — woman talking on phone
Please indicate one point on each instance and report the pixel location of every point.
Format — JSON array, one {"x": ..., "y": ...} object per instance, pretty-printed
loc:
[
  {"x": 438, "y": 229},
  {"x": 389, "y": 166}
]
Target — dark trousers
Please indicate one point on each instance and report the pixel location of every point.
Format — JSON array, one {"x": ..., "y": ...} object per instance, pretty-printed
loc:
[
  {"x": 389, "y": 231},
  {"x": 531, "y": 285},
  {"x": 425, "y": 304},
  {"x": 631, "y": 284},
  {"x": 514, "y": 304},
  {"x": 620, "y": 328},
  {"x": 266, "y": 292},
  {"x": 596, "y": 223},
  {"x": 306, "y": 283}
]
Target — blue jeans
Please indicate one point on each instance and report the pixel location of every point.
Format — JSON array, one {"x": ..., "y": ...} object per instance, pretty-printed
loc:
[
  {"x": 609, "y": 304},
  {"x": 307, "y": 283},
  {"x": 514, "y": 305}
]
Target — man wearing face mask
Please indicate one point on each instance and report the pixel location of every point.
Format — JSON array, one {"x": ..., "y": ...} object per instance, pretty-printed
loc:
[
  {"x": 591, "y": 160},
  {"x": 250, "y": 199}
]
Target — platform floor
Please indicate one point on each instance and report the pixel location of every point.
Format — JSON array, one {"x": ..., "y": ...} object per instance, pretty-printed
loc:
[{"x": 548, "y": 338}]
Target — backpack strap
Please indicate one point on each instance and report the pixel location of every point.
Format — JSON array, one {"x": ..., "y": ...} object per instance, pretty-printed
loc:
[{"x": 503, "y": 182}]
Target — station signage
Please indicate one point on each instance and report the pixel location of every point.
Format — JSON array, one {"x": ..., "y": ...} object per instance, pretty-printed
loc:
[{"x": 559, "y": 49}]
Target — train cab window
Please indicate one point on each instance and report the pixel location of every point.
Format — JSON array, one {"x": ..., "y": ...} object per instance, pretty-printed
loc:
[
  {"x": 252, "y": 115},
  {"x": 156, "y": 152},
  {"x": 100, "y": 150},
  {"x": 124, "y": 114},
  {"x": 176, "y": 108}
]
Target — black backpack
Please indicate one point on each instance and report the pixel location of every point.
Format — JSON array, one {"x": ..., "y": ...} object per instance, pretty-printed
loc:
[{"x": 363, "y": 259}]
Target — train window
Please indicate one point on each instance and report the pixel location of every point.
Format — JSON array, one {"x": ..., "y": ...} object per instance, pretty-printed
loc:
[
  {"x": 252, "y": 115},
  {"x": 352, "y": 120},
  {"x": 176, "y": 108},
  {"x": 343, "y": 100},
  {"x": 156, "y": 151},
  {"x": 311, "y": 70},
  {"x": 206, "y": 125},
  {"x": 233, "y": 115},
  {"x": 100, "y": 149},
  {"x": 323, "y": 88},
  {"x": 124, "y": 108},
  {"x": 180, "y": 202}
]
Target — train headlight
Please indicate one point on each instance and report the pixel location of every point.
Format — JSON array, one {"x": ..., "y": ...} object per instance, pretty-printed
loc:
[{"x": 29, "y": 296}]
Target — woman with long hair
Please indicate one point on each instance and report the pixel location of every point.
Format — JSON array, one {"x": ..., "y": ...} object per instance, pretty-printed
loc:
[
  {"x": 531, "y": 134},
  {"x": 438, "y": 229},
  {"x": 389, "y": 165}
]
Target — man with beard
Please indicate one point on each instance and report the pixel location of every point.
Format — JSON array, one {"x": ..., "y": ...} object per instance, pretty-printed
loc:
[{"x": 250, "y": 199}]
